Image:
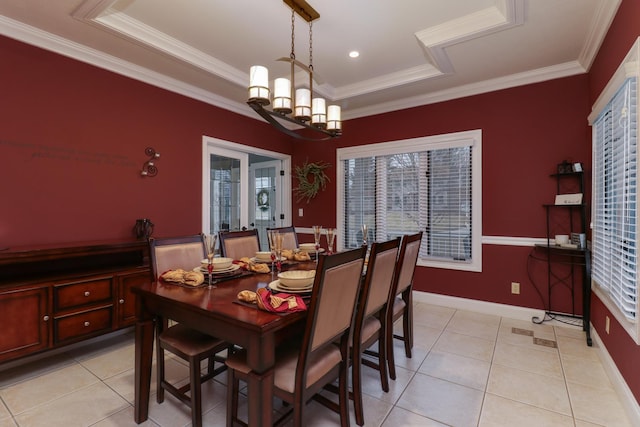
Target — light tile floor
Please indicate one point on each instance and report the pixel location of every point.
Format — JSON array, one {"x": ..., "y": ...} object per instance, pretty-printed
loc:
[{"x": 468, "y": 369}]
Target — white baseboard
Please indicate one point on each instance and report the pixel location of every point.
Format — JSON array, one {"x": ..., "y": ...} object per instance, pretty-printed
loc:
[{"x": 522, "y": 313}]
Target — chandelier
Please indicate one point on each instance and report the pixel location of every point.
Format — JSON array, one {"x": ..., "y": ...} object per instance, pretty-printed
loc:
[{"x": 298, "y": 106}]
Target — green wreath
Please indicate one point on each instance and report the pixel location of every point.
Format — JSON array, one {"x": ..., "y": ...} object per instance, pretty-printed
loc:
[
  {"x": 263, "y": 199},
  {"x": 308, "y": 188}
]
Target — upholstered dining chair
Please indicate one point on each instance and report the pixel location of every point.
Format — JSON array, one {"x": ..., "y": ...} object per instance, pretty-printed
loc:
[
  {"x": 401, "y": 303},
  {"x": 371, "y": 317},
  {"x": 302, "y": 369},
  {"x": 190, "y": 345},
  {"x": 290, "y": 238},
  {"x": 238, "y": 244}
]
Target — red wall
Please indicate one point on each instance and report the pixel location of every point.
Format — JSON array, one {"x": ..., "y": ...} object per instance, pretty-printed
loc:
[
  {"x": 526, "y": 131},
  {"x": 72, "y": 142},
  {"x": 624, "y": 31}
]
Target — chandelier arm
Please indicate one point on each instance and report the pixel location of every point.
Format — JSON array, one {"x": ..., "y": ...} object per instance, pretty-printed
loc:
[{"x": 273, "y": 117}]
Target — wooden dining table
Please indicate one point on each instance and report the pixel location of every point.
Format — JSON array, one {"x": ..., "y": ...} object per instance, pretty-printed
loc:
[{"x": 216, "y": 311}]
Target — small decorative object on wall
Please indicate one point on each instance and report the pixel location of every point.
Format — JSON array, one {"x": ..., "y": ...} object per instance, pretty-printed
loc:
[
  {"x": 149, "y": 168},
  {"x": 311, "y": 178}
]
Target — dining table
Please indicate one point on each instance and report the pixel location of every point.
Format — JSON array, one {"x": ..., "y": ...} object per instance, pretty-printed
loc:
[{"x": 216, "y": 310}]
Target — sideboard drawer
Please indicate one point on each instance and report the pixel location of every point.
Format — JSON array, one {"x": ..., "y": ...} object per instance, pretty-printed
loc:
[
  {"x": 82, "y": 293},
  {"x": 83, "y": 323}
]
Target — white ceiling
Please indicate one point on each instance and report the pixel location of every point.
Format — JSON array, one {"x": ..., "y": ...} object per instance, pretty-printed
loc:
[{"x": 412, "y": 52}]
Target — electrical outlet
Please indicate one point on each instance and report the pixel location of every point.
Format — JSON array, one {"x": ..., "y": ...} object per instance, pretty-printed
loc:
[
  {"x": 515, "y": 288},
  {"x": 607, "y": 323},
  {"x": 300, "y": 212}
]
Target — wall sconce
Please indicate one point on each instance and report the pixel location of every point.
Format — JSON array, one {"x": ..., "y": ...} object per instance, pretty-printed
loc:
[{"x": 149, "y": 168}]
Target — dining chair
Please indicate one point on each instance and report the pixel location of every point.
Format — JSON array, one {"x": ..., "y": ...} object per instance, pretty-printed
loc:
[
  {"x": 303, "y": 368},
  {"x": 401, "y": 299},
  {"x": 290, "y": 238},
  {"x": 238, "y": 244},
  {"x": 370, "y": 321},
  {"x": 184, "y": 252}
]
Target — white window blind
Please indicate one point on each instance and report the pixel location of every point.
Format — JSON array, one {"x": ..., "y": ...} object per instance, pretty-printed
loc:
[
  {"x": 614, "y": 216},
  {"x": 405, "y": 188}
]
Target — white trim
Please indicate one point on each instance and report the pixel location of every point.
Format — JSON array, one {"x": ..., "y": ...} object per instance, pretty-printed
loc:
[
  {"x": 208, "y": 141},
  {"x": 471, "y": 138}
]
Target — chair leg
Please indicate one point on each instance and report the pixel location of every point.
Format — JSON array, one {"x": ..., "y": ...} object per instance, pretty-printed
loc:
[
  {"x": 343, "y": 394},
  {"x": 382, "y": 362},
  {"x": 391, "y": 363},
  {"x": 196, "y": 394},
  {"x": 407, "y": 323},
  {"x": 233, "y": 384},
  {"x": 356, "y": 379}
]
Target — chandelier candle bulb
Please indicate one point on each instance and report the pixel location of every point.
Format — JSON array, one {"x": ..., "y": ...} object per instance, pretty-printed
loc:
[
  {"x": 259, "y": 84},
  {"x": 282, "y": 96},
  {"x": 319, "y": 112},
  {"x": 303, "y": 104},
  {"x": 333, "y": 117}
]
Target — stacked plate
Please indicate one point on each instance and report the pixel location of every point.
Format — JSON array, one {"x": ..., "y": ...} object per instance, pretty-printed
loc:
[
  {"x": 232, "y": 270},
  {"x": 277, "y": 286}
]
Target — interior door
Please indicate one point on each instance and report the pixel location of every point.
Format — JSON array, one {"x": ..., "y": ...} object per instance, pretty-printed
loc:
[
  {"x": 228, "y": 187},
  {"x": 266, "y": 210},
  {"x": 244, "y": 187}
]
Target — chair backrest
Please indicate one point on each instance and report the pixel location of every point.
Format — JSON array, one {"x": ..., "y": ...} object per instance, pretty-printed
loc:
[
  {"x": 238, "y": 244},
  {"x": 172, "y": 253},
  {"x": 407, "y": 259},
  {"x": 290, "y": 238},
  {"x": 335, "y": 291},
  {"x": 379, "y": 278}
]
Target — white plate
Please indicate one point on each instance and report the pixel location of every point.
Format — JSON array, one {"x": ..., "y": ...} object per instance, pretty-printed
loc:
[
  {"x": 275, "y": 285},
  {"x": 232, "y": 267}
]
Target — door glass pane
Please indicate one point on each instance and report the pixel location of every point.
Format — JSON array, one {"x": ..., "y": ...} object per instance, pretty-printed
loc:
[
  {"x": 225, "y": 194},
  {"x": 265, "y": 204}
]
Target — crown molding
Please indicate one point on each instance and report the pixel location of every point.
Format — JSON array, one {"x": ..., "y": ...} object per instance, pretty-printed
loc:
[
  {"x": 604, "y": 15},
  {"x": 42, "y": 39},
  {"x": 520, "y": 79}
]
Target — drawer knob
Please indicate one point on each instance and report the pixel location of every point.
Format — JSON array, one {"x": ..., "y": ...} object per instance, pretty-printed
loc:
[
  {"x": 87, "y": 293},
  {"x": 121, "y": 301},
  {"x": 86, "y": 323},
  {"x": 45, "y": 318}
]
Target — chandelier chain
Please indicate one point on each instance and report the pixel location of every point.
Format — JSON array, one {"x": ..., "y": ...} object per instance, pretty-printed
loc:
[
  {"x": 311, "y": 45},
  {"x": 292, "y": 55}
]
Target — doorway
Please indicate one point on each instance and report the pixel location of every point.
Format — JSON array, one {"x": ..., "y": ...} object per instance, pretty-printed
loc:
[{"x": 244, "y": 188}]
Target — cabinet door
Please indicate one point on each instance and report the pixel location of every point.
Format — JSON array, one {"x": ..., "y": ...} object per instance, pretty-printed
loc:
[
  {"x": 126, "y": 307},
  {"x": 25, "y": 321}
]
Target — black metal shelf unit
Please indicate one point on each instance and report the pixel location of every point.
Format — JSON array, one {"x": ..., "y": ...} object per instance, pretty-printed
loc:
[{"x": 567, "y": 263}]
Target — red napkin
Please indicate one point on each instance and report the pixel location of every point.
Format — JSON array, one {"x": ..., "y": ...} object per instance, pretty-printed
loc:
[{"x": 280, "y": 302}]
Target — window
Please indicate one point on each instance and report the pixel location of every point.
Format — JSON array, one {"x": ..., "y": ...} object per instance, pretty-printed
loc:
[
  {"x": 431, "y": 184},
  {"x": 615, "y": 190}
]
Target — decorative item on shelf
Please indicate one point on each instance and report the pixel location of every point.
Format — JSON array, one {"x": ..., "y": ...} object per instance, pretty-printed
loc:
[
  {"x": 569, "y": 199},
  {"x": 308, "y": 189},
  {"x": 577, "y": 167},
  {"x": 149, "y": 168},
  {"x": 143, "y": 228},
  {"x": 304, "y": 108},
  {"x": 565, "y": 167}
]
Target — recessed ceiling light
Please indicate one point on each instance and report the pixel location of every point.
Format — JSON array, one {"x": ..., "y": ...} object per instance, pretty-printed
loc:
[{"x": 354, "y": 54}]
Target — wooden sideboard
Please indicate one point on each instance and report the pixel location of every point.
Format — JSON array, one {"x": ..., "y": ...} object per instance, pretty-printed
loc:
[{"x": 51, "y": 296}]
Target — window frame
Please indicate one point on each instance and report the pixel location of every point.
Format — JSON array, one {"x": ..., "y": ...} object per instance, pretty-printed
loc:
[
  {"x": 628, "y": 68},
  {"x": 472, "y": 138}
]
